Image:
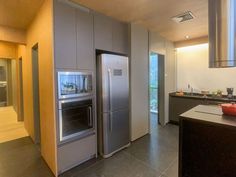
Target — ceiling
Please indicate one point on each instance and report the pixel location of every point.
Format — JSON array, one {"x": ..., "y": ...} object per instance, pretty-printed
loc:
[
  {"x": 18, "y": 13},
  {"x": 156, "y": 15}
]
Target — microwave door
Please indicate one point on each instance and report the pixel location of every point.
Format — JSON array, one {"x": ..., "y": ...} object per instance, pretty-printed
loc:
[{"x": 74, "y": 84}]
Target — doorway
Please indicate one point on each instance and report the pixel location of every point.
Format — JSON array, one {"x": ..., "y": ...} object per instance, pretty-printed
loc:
[
  {"x": 21, "y": 108},
  {"x": 3, "y": 83},
  {"x": 35, "y": 82},
  {"x": 10, "y": 126},
  {"x": 156, "y": 90}
]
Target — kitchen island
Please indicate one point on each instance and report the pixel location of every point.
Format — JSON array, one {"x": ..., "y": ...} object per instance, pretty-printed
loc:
[
  {"x": 179, "y": 104},
  {"x": 207, "y": 143}
]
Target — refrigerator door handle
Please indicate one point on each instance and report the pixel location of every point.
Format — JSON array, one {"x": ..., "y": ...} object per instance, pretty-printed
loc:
[
  {"x": 110, "y": 121},
  {"x": 109, "y": 89},
  {"x": 109, "y": 94}
]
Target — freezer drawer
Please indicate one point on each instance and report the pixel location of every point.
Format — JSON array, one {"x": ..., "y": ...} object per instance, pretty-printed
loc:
[{"x": 115, "y": 131}]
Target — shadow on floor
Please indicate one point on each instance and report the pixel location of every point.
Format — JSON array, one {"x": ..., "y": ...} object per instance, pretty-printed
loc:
[
  {"x": 153, "y": 155},
  {"x": 21, "y": 158}
]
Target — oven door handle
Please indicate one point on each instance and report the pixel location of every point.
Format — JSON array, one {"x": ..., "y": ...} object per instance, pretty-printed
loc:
[{"x": 90, "y": 116}]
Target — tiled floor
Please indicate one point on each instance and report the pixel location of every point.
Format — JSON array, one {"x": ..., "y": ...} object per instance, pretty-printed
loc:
[
  {"x": 153, "y": 155},
  {"x": 10, "y": 129},
  {"x": 21, "y": 158}
]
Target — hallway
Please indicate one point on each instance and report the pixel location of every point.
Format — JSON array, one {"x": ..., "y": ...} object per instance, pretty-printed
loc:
[{"x": 10, "y": 129}]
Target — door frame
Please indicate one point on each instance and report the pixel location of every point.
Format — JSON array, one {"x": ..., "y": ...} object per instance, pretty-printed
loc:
[
  {"x": 161, "y": 89},
  {"x": 36, "y": 94}
]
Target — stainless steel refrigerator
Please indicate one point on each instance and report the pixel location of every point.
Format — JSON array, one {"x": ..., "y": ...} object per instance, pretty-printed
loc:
[{"x": 113, "y": 103}]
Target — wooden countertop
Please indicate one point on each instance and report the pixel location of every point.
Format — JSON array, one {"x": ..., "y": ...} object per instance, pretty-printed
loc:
[{"x": 209, "y": 113}]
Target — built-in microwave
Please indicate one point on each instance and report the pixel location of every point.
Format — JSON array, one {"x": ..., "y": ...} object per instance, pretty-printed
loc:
[
  {"x": 76, "y": 118},
  {"x": 74, "y": 84}
]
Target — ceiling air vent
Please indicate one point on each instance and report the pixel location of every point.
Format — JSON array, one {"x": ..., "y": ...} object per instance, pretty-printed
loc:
[{"x": 186, "y": 16}]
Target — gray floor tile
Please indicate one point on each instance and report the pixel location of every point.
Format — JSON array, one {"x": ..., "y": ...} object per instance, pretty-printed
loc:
[
  {"x": 120, "y": 165},
  {"x": 159, "y": 149},
  {"x": 21, "y": 158},
  {"x": 151, "y": 152},
  {"x": 172, "y": 171},
  {"x": 151, "y": 156}
]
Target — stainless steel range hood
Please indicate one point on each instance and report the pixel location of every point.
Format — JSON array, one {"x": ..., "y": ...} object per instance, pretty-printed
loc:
[{"x": 222, "y": 33}]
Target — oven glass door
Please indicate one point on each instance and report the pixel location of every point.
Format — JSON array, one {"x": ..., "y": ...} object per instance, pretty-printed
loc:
[{"x": 76, "y": 118}]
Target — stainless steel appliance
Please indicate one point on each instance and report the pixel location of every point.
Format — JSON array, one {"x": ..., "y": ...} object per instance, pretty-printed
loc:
[
  {"x": 74, "y": 84},
  {"x": 113, "y": 103},
  {"x": 230, "y": 92},
  {"x": 76, "y": 118},
  {"x": 222, "y": 33},
  {"x": 76, "y": 105}
]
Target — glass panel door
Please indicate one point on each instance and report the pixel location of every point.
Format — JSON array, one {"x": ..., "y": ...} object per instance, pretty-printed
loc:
[{"x": 153, "y": 84}]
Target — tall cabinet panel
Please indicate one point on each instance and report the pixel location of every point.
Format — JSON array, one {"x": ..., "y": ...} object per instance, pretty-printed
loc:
[
  {"x": 103, "y": 32},
  {"x": 120, "y": 37},
  {"x": 65, "y": 36},
  {"x": 85, "y": 47}
]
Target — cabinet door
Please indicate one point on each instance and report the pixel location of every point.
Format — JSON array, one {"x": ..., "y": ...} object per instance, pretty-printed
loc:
[
  {"x": 85, "y": 48},
  {"x": 103, "y": 32},
  {"x": 178, "y": 106},
  {"x": 65, "y": 36},
  {"x": 120, "y": 37}
]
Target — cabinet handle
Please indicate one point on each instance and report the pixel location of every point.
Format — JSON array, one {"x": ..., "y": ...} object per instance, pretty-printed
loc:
[{"x": 90, "y": 116}]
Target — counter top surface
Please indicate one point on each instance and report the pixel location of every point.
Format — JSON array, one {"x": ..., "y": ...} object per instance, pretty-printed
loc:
[
  {"x": 200, "y": 96},
  {"x": 209, "y": 113}
]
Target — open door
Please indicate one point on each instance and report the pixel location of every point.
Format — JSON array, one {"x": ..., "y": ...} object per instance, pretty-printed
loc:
[
  {"x": 156, "y": 89},
  {"x": 35, "y": 81},
  {"x": 21, "y": 108}
]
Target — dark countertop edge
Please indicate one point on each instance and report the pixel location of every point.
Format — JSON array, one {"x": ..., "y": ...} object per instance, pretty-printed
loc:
[
  {"x": 173, "y": 94},
  {"x": 210, "y": 118}
]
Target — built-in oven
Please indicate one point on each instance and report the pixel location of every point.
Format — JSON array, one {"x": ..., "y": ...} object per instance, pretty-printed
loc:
[
  {"x": 76, "y": 118},
  {"x": 74, "y": 84}
]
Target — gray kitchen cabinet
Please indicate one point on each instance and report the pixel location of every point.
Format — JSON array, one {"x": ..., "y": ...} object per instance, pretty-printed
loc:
[
  {"x": 110, "y": 35},
  {"x": 103, "y": 32},
  {"x": 120, "y": 37},
  {"x": 85, "y": 45},
  {"x": 65, "y": 36},
  {"x": 179, "y": 105}
]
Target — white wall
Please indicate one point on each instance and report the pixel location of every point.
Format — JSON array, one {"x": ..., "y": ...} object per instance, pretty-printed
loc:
[
  {"x": 139, "y": 82},
  {"x": 162, "y": 46},
  {"x": 192, "y": 68}
]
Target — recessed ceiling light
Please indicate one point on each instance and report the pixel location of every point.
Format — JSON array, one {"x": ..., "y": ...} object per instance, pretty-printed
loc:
[{"x": 187, "y": 37}]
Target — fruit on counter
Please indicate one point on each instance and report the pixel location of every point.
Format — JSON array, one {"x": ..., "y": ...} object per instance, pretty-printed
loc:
[
  {"x": 205, "y": 92},
  {"x": 219, "y": 93},
  {"x": 214, "y": 93},
  {"x": 180, "y": 93}
]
